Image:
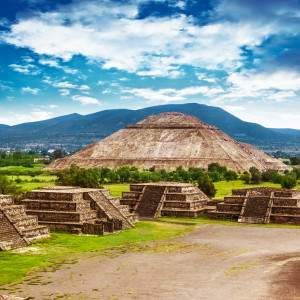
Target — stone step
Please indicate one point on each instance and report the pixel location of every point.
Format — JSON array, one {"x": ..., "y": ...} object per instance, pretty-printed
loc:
[
  {"x": 183, "y": 205},
  {"x": 184, "y": 213},
  {"x": 44, "y": 215},
  {"x": 23, "y": 221},
  {"x": 34, "y": 204},
  {"x": 14, "y": 210},
  {"x": 55, "y": 195},
  {"x": 35, "y": 231},
  {"x": 6, "y": 200}
]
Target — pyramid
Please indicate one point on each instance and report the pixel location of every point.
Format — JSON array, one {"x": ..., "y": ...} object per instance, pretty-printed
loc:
[
  {"x": 166, "y": 141},
  {"x": 260, "y": 205}
]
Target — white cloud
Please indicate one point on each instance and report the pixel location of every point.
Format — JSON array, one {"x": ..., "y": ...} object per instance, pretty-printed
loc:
[
  {"x": 168, "y": 95},
  {"x": 33, "y": 91},
  {"x": 28, "y": 69},
  {"x": 84, "y": 87},
  {"x": 65, "y": 84},
  {"x": 64, "y": 92},
  {"x": 55, "y": 64},
  {"x": 86, "y": 100},
  {"x": 107, "y": 33},
  {"x": 52, "y": 106}
]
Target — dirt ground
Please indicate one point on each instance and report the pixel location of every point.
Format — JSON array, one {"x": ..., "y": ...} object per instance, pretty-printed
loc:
[{"x": 212, "y": 262}]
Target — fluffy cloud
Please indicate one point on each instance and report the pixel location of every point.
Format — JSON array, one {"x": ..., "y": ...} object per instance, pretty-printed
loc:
[
  {"x": 27, "y": 69},
  {"x": 54, "y": 63},
  {"x": 110, "y": 34},
  {"x": 30, "y": 90},
  {"x": 168, "y": 95},
  {"x": 84, "y": 100}
]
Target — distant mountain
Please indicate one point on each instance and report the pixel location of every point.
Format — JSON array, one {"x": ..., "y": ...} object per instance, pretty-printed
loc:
[
  {"x": 288, "y": 131},
  {"x": 73, "y": 131}
]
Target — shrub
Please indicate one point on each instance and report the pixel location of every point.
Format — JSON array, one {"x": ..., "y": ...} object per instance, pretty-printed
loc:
[
  {"x": 289, "y": 181},
  {"x": 206, "y": 185}
]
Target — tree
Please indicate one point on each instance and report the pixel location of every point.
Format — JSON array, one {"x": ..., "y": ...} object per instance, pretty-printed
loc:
[
  {"x": 206, "y": 185},
  {"x": 7, "y": 187},
  {"x": 295, "y": 160},
  {"x": 289, "y": 181},
  {"x": 246, "y": 177},
  {"x": 75, "y": 176},
  {"x": 58, "y": 154},
  {"x": 255, "y": 175}
]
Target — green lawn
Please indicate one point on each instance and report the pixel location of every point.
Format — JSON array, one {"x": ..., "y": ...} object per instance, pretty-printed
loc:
[
  {"x": 117, "y": 189},
  {"x": 20, "y": 169},
  {"x": 14, "y": 266},
  {"x": 30, "y": 183}
]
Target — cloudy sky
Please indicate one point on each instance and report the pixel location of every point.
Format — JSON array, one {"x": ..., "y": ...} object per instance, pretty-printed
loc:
[{"x": 65, "y": 56}]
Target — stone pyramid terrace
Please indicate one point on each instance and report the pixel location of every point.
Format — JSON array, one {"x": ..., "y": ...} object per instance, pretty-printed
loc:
[
  {"x": 168, "y": 199},
  {"x": 80, "y": 210},
  {"x": 260, "y": 205},
  {"x": 166, "y": 141},
  {"x": 17, "y": 229}
]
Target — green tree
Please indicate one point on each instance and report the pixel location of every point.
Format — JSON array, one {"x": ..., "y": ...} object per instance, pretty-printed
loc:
[
  {"x": 295, "y": 160},
  {"x": 207, "y": 186},
  {"x": 289, "y": 181},
  {"x": 7, "y": 186}
]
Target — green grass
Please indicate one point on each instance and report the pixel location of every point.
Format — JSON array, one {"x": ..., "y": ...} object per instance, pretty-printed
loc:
[
  {"x": 28, "y": 182},
  {"x": 117, "y": 189},
  {"x": 14, "y": 266},
  {"x": 36, "y": 167},
  {"x": 224, "y": 188}
]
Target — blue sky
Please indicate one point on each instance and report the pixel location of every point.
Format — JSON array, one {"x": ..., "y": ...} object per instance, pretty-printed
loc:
[{"x": 64, "y": 56}]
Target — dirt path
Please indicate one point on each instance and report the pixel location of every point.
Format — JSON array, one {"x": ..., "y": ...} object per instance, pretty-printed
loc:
[{"x": 212, "y": 262}]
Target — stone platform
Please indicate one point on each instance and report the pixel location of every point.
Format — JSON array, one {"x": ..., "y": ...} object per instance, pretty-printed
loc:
[
  {"x": 168, "y": 199},
  {"x": 79, "y": 210},
  {"x": 17, "y": 229},
  {"x": 260, "y": 205}
]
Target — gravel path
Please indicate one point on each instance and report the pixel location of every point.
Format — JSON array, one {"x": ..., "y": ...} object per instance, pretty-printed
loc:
[{"x": 212, "y": 262}]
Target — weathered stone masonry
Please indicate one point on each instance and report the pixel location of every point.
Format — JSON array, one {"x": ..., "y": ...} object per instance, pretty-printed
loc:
[
  {"x": 90, "y": 211},
  {"x": 16, "y": 228},
  {"x": 260, "y": 205},
  {"x": 168, "y": 199}
]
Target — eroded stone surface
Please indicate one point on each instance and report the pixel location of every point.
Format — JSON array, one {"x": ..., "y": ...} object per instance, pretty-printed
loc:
[{"x": 167, "y": 141}]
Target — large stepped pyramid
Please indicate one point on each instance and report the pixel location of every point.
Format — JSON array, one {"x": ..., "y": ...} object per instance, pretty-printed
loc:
[
  {"x": 167, "y": 141},
  {"x": 90, "y": 211},
  {"x": 17, "y": 229},
  {"x": 260, "y": 205},
  {"x": 169, "y": 199}
]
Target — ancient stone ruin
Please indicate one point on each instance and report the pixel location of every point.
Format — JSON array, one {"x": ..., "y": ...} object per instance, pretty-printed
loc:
[
  {"x": 260, "y": 205},
  {"x": 167, "y": 141},
  {"x": 80, "y": 210},
  {"x": 17, "y": 229},
  {"x": 167, "y": 199}
]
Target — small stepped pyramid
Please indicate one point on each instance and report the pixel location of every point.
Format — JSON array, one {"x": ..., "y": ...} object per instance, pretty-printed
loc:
[
  {"x": 260, "y": 205},
  {"x": 16, "y": 228},
  {"x": 90, "y": 211},
  {"x": 170, "y": 199}
]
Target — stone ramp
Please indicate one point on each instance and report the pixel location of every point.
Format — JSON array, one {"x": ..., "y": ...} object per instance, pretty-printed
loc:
[
  {"x": 256, "y": 209},
  {"x": 150, "y": 203},
  {"x": 10, "y": 237},
  {"x": 17, "y": 229},
  {"x": 106, "y": 208}
]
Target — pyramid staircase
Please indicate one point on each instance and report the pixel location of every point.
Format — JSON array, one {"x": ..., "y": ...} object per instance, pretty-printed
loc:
[
  {"x": 17, "y": 229},
  {"x": 80, "y": 210},
  {"x": 260, "y": 205},
  {"x": 169, "y": 199}
]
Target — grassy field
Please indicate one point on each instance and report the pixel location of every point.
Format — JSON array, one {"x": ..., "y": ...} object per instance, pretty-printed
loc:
[
  {"x": 52, "y": 252},
  {"x": 20, "y": 169}
]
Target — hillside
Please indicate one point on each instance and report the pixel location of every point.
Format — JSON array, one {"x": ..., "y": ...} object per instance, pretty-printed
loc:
[{"x": 75, "y": 130}]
